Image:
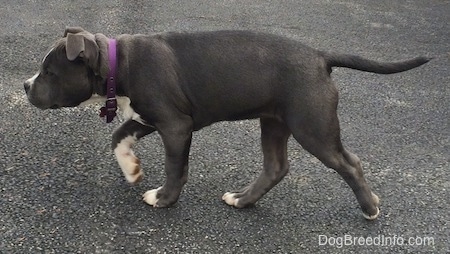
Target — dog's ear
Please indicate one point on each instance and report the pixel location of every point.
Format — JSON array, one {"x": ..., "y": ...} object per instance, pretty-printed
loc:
[
  {"x": 84, "y": 46},
  {"x": 73, "y": 30}
]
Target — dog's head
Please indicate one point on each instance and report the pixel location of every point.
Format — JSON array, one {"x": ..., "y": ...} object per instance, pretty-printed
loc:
[{"x": 70, "y": 71}]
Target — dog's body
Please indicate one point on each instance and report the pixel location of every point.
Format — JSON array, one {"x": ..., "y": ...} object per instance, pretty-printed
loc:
[{"x": 176, "y": 83}]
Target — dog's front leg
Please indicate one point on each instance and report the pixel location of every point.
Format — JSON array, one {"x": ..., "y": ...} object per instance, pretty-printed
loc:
[
  {"x": 123, "y": 139},
  {"x": 177, "y": 141}
]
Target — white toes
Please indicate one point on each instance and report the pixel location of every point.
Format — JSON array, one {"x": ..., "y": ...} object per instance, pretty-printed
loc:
[
  {"x": 372, "y": 217},
  {"x": 377, "y": 202},
  {"x": 150, "y": 197},
  {"x": 134, "y": 178},
  {"x": 230, "y": 199}
]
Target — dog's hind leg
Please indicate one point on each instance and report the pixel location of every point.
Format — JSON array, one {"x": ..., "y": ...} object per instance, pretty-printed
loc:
[
  {"x": 319, "y": 133},
  {"x": 274, "y": 137},
  {"x": 123, "y": 139}
]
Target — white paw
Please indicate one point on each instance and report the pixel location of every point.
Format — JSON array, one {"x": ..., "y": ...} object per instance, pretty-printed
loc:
[
  {"x": 371, "y": 217},
  {"x": 130, "y": 166},
  {"x": 129, "y": 163},
  {"x": 135, "y": 178},
  {"x": 377, "y": 202},
  {"x": 230, "y": 199},
  {"x": 150, "y": 197}
]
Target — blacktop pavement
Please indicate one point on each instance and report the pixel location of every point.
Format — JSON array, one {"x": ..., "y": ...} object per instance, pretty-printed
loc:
[{"x": 61, "y": 190}]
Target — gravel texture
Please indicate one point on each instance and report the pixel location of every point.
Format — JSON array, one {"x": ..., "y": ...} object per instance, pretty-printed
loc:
[{"x": 61, "y": 190}]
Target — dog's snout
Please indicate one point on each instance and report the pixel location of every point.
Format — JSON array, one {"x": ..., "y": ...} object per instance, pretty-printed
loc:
[{"x": 26, "y": 86}]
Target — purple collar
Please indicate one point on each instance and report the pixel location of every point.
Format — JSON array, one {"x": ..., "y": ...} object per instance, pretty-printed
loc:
[{"x": 110, "y": 108}]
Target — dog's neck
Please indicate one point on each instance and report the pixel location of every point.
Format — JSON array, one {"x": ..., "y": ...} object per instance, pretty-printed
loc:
[
  {"x": 110, "y": 108},
  {"x": 100, "y": 75}
]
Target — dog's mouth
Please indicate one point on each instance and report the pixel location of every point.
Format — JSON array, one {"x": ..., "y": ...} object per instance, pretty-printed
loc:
[
  {"x": 40, "y": 105},
  {"x": 65, "y": 105}
]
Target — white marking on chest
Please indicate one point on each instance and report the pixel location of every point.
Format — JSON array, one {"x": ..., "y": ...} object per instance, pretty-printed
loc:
[
  {"x": 95, "y": 99},
  {"x": 123, "y": 103}
]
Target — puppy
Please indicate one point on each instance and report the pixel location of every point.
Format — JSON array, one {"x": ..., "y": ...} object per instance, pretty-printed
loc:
[{"x": 177, "y": 83}]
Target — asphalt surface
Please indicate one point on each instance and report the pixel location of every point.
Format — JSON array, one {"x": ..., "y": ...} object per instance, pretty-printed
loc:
[{"x": 61, "y": 190}]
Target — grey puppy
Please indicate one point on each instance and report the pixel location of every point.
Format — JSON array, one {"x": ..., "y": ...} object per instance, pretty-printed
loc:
[{"x": 177, "y": 83}]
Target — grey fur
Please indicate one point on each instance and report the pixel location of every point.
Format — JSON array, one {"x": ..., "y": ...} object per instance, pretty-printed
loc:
[{"x": 181, "y": 82}]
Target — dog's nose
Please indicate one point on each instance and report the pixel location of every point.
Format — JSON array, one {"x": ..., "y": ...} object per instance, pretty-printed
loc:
[{"x": 26, "y": 86}]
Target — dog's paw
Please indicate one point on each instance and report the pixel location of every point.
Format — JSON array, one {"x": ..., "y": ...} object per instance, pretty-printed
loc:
[
  {"x": 374, "y": 216},
  {"x": 376, "y": 199},
  {"x": 231, "y": 199},
  {"x": 132, "y": 169},
  {"x": 128, "y": 162},
  {"x": 150, "y": 197}
]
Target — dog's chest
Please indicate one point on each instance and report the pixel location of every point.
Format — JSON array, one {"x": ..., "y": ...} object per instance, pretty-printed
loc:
[{"x": 124, "y": 104}]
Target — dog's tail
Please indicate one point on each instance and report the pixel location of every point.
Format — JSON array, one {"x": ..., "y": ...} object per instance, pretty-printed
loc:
[{"x": 363, "y": 64}]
